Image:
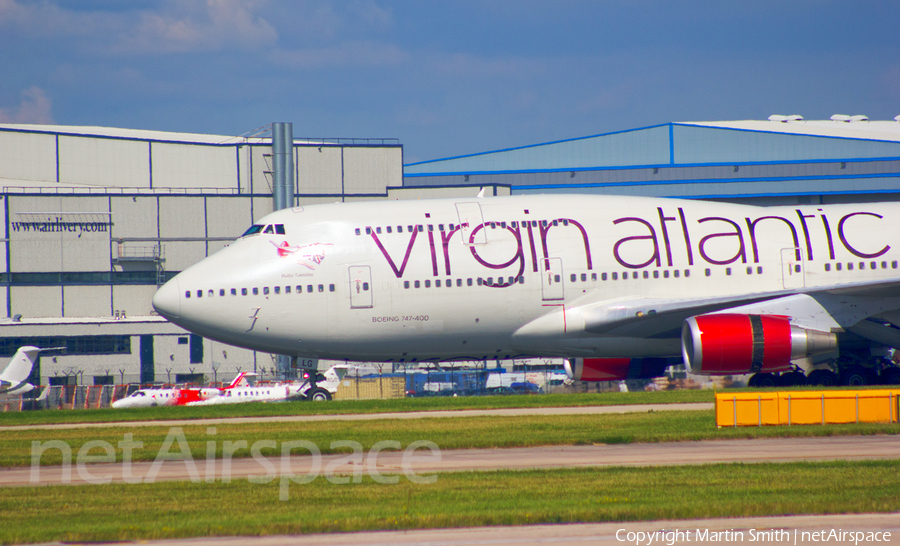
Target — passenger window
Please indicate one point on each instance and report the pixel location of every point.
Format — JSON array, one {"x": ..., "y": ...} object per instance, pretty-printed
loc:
[
  {"x": 427, "y": 284},
  {"x": 368, "y": 231},
  {"x": 758, "y": 271},
  {"x": 199, "y": 293},
  {"x": 615, "y": 276},
  {"x": 357, "y": 231},
  {"x": 255, "y": 291},
  {"x": 309, "y": 288},
  {"x": 687, "y": 272},
  {"x": 603, "y": 276},
  {"x": 469, "y": 282},
  {"x": 437, "y": 283},
  {"x": 388, "y": 229},
  {"x": 489, "y": 281},
  {"x": 666, "y": 274},
  {"x": 299, "y": 289},
  {"x": 440, "y": 227},
  {"x": 331, "y": 288},
  {"x": 210, "y": 293},
  {"x": 708, "y": 272},
  {"x": 287, "y": 289},
  {"x": 676, "y": 273},
  {"x": 416, "y": 284},
  {"x": 265, "y": 291},
  {"x": 243, "y": 291},
  {"x": 573, "y": 277},
  {"x": 827, "y": 267},
  {"x": 378, "y": 230},
  {"x": 187, "y": 294},
  {"x": 646, "y": 275},
  {"x": 278, "y": 290},
  {"x": 728, "y": 271},
  {"x": 221, "y": 291},
  {"x": 584, "y": 277},
  {"x": 557, "y": 278},
  {"x": 594, "y": 276},
  {"x": 365, "y": 286},
  {"x": 321, "y": 288},
  {"x": 458, "y": 282},
  {"x": 838, "y": 266},
  {"x": 405, "y": 284},
  {"x": 279, "y": 229},
  {"x": 655, "y": 274}
]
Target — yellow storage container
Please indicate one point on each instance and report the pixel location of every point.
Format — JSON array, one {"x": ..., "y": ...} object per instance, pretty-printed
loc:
[{"x": 807, "y": 407}]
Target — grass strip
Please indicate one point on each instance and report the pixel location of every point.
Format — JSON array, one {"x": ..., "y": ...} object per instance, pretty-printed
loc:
[
  {"x": 176, "y": 509},
  {"x": 447, "y": 433},
  {"x": 261, "y": 409}
]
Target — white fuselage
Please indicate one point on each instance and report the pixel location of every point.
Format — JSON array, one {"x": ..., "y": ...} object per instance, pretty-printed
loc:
[{"x": 568, "y": 275}]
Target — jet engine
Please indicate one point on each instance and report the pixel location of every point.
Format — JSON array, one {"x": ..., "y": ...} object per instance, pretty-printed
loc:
[
  {"x": 615, "y": 369},
  {"x": 722, "y": 344}
]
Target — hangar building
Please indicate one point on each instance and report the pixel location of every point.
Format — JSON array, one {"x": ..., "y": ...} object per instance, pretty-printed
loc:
[
  {"x": 96, "y": 218},
  {"x": 782, "y": 160}
]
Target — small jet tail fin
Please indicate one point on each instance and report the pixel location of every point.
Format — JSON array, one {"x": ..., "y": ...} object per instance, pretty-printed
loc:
[
  {"x": 44, "y": 394},
  {"x": 240, "y": 381},
  {"x": 19, "y": 368}
]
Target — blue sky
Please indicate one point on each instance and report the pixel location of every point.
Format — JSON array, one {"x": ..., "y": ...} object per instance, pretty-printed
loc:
[{"x": 445, "y": 77}]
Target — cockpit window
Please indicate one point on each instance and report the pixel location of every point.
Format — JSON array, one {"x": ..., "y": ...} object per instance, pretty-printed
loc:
[
  {"x": 279, "y": 229},
  {"x": 254, "y": 229},
  {"x": 269, "y": 229}
]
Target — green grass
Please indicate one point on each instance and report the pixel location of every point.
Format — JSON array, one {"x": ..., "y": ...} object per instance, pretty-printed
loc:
[
  {"x": 337, "y": 407},
  {"x": 179, "y": 509},
  {"x": 447, "y": 433}
]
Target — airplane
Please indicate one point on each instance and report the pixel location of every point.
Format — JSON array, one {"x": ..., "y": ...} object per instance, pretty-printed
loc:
[
  {"x": 622, "y": 287},
  {"x": 14, "y": 378},
  {"x": 316, "y": 387},
  {"x": 147, "y": 398}
]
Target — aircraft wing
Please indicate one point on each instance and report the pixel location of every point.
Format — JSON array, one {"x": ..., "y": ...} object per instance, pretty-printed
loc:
[{"x": 822, "y": 309}]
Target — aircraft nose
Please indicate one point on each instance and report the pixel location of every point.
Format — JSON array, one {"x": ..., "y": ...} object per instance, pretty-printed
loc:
[{"x": 167, "y": 300}]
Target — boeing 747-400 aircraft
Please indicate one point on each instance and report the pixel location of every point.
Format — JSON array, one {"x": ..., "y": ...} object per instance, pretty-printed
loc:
[{"x": 620, "y": 286}]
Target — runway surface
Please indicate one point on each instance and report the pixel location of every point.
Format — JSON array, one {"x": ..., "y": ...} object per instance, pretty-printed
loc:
[
  {"x": 574, "y": 410},
  {"x": 425, "y": 462},
  {"x": 879, "y": 528}
]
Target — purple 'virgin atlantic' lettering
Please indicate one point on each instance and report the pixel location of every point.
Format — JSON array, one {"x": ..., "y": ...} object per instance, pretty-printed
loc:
[
  {"x": 445, "y": 245},
  {"x": 434, "y": 267},
  {"x": 751, "y": 225},
  {"x": 397, "y": 272},
  {"x": 519, "y": 255},
  {"x": 741, "y": 253},
  {"x": 651, "y": 237},
  {"x": 852, "y": 250},
  {"x": 546, "y": 229}
]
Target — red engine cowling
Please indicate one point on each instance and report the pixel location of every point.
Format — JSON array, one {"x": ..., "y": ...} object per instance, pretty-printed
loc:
[
  {"x": 723, "y": 344},
  {"x": 615, "y": 369}
]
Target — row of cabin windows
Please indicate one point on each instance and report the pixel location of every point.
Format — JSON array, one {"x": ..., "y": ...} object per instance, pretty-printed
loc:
[
  {"x": 298, "y": 289},
  {"x": 450, "y": 227},
  {"x": 501, "y": 281},
  {"x": 862, "y": 265}
]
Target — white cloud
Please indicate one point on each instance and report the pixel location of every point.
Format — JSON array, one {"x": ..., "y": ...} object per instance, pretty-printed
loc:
[
  {"x": 35, "y": 108},
  {"x": 173, "y": 27}
]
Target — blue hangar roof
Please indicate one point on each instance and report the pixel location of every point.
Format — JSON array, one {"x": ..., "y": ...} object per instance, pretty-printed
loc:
[{"x": 784, "y": 155}]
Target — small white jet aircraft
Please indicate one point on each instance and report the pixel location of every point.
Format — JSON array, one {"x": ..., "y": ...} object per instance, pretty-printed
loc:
[
  {"x": 147, "y": 398},
  {"x": 621, "y": 286},
  {"x": 14, "y": 378}
]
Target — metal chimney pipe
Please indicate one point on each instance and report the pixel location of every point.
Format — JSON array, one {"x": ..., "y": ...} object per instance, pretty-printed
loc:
[{"x": 283, "y": 168}]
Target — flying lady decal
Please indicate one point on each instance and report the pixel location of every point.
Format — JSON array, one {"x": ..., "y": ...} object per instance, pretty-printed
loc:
[{"x": 308, "y": 256}]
